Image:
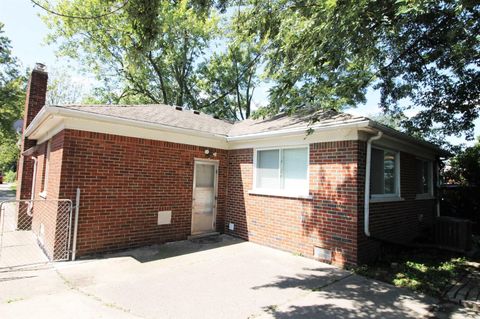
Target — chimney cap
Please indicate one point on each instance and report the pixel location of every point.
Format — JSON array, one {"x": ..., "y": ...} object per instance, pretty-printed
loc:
[{"x": 40, "y": 67}]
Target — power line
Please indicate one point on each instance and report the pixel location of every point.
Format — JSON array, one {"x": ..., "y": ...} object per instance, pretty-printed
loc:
[{"x": 79, "y": 17}]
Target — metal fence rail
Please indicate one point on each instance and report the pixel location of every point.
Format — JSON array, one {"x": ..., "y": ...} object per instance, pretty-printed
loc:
[{"x": 34, "y": 231}]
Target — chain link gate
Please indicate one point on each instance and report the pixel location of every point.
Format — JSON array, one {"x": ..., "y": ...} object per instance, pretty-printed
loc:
[{"x": 34, "y": 231}]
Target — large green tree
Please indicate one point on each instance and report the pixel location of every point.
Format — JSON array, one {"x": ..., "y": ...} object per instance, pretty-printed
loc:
[
  {"x": 319, "y": 54},
  {"x": 464, "y": 168},
  {"x": 422, "y": 54},
  {"x": 142, "y": 51},
  {"x": 228, "y": 78},
  {"x": 12, "y": 98}
]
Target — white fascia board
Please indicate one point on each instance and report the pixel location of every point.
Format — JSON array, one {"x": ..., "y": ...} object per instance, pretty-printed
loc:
[
  {"x": 300, "y": 130},
  {"x": 37, "y": 121},
  {"x": 51, "y": 120},
  {"x": 300, "y": 138},
  {"x": 144, "y": 132},
  {"x": 402, "y": 142},
  {"x": 397, "y": 144}
]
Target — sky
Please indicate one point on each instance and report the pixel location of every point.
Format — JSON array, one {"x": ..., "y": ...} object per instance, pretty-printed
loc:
[{"x": 27, "y": 33}]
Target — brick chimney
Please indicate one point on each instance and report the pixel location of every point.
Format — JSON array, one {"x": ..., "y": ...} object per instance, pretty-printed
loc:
[{"x": 35, "y": 100}]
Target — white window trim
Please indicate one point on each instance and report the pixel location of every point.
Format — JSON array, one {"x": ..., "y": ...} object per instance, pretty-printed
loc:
[
  {"x": 280, "y": 192},
  {"x": 429, "y": 194},
  {"x": 397, "y": 195}
]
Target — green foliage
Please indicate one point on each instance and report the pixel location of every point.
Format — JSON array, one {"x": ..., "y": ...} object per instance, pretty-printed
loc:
[
  {"x": 426, "y": 271},
  {"x": 228, "y": 79},
  {"x": 12, "y": 97},
  {"x": 9, "y": 153},
  {"x": 431, "y": 279},
  {"x": 62, "y": 89},
  {"x": 9, "y": 177},
  {"x": 325, "y": 54},
  {"x": 145, "y": 52},
  {"x": 464, "y": 168},
  {"x": 11, "y": 87}
]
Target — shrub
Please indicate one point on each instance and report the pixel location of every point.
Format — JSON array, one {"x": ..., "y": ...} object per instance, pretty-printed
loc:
[{"x": 10, "y": 177}]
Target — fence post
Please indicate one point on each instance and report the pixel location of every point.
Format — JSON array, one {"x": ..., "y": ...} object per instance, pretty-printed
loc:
[{"x": 75, "y": 229}]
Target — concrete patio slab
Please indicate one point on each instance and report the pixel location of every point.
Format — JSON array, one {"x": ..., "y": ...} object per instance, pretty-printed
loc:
[
  {"x": 222, "y": 278},
  {"x": 231, "y": 278},
  {"x": 18, "y": 247},
  {"x": 356, "y": 297}
]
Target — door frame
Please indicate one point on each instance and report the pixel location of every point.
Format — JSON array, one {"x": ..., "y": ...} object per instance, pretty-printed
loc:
[{"x": 215, "y": 164}]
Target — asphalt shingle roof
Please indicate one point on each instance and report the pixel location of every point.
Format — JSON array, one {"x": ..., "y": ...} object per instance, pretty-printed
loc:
[
  {"x": 297, "y": 121},
  {"x": 188, "y": 119},
  {"x": 158, "y": 114}
]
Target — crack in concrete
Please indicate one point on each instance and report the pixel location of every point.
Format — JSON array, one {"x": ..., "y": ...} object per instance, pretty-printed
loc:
[{"x": 71, "y": 286}]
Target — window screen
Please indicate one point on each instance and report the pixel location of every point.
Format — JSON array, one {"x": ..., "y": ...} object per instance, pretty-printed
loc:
[
  {"x": 295, "y": 166},
  {"x": 268, "y": 169},
  {"x": 423, "y": 176},
  {"x": 285, "y": 169},
  {"x": 383, "y": 173}
]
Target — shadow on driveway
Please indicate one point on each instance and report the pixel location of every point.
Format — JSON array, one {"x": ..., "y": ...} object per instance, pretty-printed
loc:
[{"x": 157, "y": 252}]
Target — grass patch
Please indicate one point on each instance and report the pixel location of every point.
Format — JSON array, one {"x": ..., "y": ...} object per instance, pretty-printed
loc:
[
  {"x": 428, "y": 271},
  {"x": 13, "y": 187}
]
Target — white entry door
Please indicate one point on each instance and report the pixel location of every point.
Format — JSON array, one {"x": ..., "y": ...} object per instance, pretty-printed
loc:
[{"x": 204, "y": 197}]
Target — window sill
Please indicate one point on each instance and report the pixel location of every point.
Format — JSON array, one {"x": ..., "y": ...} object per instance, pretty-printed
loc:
[
  {"x": 424, "y": 196},
  {"x": 386, "y": 199},
  {"x": 278, "y": 194},
  {"x": 43, "y": 195}
]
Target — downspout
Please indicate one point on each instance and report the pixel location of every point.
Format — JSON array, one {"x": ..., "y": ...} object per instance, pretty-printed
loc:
[
  {"x": 366, "y": 214},
  {"x": 32, "y": 197}
]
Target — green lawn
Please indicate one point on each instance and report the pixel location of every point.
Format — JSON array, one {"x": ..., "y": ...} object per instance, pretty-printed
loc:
[{"x": 429, "y": 271}]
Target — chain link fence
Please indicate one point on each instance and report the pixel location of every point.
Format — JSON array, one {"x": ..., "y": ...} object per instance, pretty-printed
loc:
[{"x": 34, "y": 231}]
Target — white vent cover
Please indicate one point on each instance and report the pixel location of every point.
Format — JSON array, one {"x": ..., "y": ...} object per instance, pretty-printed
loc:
[
  {"x": 164, "y": 217},
  {"x": 322, "y": 253},
  {"x": 231, "y": 226}
]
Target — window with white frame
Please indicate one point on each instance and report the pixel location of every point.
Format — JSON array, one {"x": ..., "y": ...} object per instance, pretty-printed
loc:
[
  {"x": 384, "y": 173},
  {"x": 282, "y": 170},
  {"x": 424, "y": 181}
]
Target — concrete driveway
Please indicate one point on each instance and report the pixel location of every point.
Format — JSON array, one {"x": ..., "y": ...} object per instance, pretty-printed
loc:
[
  {"x": 223, "y": 278},
  {"x": 6, "y": 192}
]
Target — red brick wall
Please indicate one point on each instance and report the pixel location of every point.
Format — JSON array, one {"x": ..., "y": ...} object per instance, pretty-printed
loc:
[
  {"x": 47, "y": 212},
  {"x": 397, "y": 221},
  {"x": 329, "y": 220},
  {"x": 124, "y": 182},
  {"x": 35, "y": 100}
]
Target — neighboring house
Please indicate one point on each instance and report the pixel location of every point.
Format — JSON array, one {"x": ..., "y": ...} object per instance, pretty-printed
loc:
[{"x": 155, "y": 173}]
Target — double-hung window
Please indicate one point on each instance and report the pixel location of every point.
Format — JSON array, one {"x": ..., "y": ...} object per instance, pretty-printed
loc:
[
  {"x": 282, "y": 170},
  {"x": 424, "y": 180},
  {"x": 384, "y": 173}
]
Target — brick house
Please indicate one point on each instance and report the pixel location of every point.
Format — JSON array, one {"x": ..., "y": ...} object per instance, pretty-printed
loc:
[{"x": 156, "y": 173}]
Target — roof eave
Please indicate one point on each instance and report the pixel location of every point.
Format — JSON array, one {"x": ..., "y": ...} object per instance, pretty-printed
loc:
[
  {"x": 37, "y": 120},
  {"x": 53, "y": 110},
  {"x": 297, "y": 131},
  {"x": 394, "y": 133}
]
